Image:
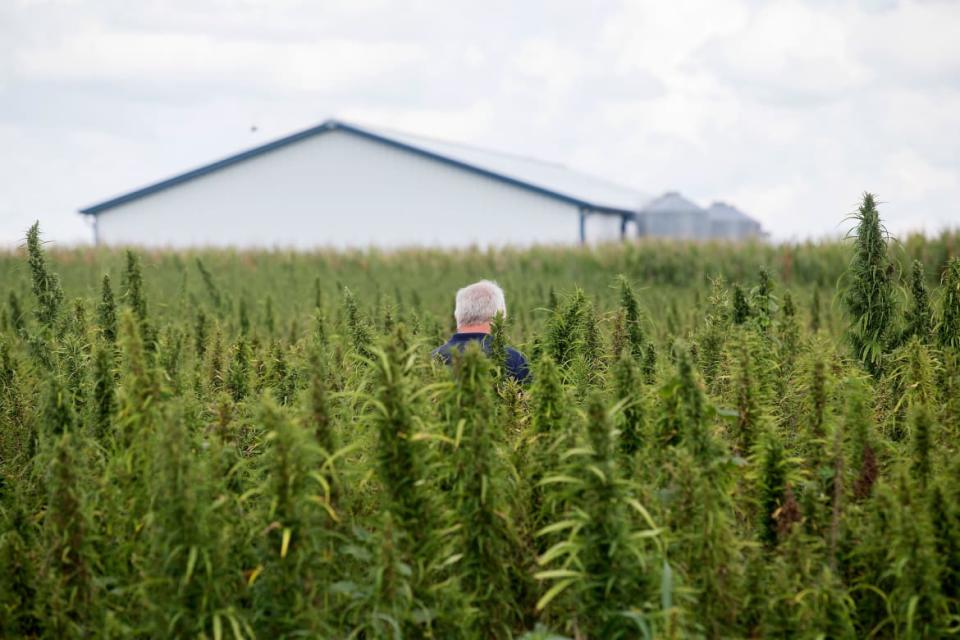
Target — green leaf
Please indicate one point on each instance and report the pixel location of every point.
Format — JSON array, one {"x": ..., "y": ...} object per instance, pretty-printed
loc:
[
  {"x": 191, "y": 564},
  {"x": 552, "y": 593},
  {"x": 595, "y": 470},
  {"x": 666, "y": 587},
  {"x": 557, "y": 573},
  {"x": 556, "y": 526},
  {"x": 557, "y": 550},
  {"x": 235, "y": 627},
  {"x": 639, "y": 508},
  {"x": 452, "y": 559}
]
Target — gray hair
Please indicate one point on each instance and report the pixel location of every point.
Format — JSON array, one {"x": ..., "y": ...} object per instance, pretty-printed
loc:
[{"x": 479, "y": 303}]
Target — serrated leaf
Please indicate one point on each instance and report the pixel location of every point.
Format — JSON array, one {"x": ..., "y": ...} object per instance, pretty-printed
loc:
[
  {"x": 639, "y": 508},
  {"x": 595, "y": 470},
  {"x": 556, "y": 551},
  {"x": 557, "y": 573},
  {"x": 556, "y": 526},
  {"x": 552, "y": 593},
  {"x": 235, "y": 627},
  {"x": 191, "y": 564},
  {"x": 666, "y": 587},
  {"x": 254, "y": 575},
  {"x": 452, "y": 559}
]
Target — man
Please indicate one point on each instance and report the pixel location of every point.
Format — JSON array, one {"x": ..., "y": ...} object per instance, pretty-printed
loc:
[{"x": 477, "y": 305}]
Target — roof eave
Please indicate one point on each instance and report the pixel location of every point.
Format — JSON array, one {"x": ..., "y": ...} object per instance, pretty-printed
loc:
[
  {"x": 583, "y": 204},
  {"x": 331, "y": 125},
  {"x": 199, "y": 172}
]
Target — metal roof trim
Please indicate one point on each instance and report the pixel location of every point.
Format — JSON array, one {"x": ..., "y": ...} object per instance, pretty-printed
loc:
[{"x": 333, "y": 125}]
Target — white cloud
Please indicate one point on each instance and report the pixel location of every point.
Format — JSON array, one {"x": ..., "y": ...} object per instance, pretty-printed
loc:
[
  {"x": 121, "y": 56},
  {"x": 913, "y": 177},
  {"x": 788, "y": 109},
  {"x": 471, "y": 123},
  {"x": 918, "y": 43},
  {"x": 660, "y": 37},
  {"x": 790, "y": 52},
  {"x": 543, "y": 59}
]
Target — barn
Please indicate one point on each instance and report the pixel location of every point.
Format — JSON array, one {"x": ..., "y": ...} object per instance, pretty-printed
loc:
[{"x": 344, "y": 185}]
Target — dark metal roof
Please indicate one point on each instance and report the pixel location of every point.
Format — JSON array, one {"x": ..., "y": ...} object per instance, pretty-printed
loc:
[{"x": 602, "y": 204}]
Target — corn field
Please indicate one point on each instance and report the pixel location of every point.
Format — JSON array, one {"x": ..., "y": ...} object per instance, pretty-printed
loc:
[{"x": 719, "y": 441}]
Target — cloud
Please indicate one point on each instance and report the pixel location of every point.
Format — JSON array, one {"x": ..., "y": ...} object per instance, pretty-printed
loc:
[
  {"x": 125, "y": 56},
  {"x": 915, "y": 45},
  {"x": 789, "y": 53},
  {"x": 788, "y": 110},
  {"x": 661, "y": 37},
  {"x": 469, "y": 123}
]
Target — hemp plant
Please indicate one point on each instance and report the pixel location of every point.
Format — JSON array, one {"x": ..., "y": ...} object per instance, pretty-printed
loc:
[{"x": 869, "y": 294}]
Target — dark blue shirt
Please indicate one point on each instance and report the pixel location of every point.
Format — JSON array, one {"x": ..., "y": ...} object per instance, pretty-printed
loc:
[{"x": 517, "y": 366}]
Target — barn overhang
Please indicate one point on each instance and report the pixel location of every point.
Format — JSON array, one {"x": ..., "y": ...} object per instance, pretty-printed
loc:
[{"x": 334, "y": 125}]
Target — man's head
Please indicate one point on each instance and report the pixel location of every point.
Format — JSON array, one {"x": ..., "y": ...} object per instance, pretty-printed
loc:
[{"x": 478, "y": 304}]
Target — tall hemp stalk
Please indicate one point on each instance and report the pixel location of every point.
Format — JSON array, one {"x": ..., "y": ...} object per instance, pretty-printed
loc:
[
  {"x": 948, "y": 334},
  {"x": 919, "y": 316},
  {"x": 408, "y": 590},
  {"x": 46, "y": 284},
  {"x": 604, "y": 569},
  {"x": 488, "y": 542},
  {"x": 869, "y": 294}
]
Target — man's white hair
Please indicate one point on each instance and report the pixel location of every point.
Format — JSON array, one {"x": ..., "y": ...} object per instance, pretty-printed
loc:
[{"x": 478, "y": 303}]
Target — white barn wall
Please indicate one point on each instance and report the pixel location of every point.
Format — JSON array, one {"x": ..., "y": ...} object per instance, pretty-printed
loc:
[
  {"x": 602, "y": 228},
  {"x": 340, "y": 190}
]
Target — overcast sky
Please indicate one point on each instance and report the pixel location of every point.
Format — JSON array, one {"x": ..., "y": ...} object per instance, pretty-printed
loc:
[{"x": 787, "y": 109}]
